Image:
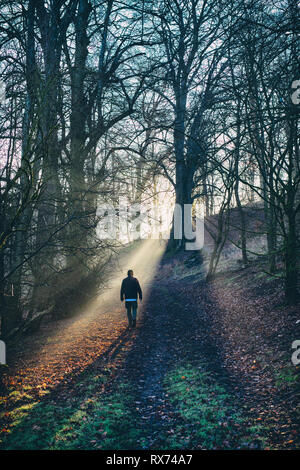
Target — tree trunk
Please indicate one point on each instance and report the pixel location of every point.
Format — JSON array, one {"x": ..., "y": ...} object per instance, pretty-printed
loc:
[
  {"x": 236, "y": 186},
  {"x": 291, "y": 261},
  {"x": 243, "y": 223}
]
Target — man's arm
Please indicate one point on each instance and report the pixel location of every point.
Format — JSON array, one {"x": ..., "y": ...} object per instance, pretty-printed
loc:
[
  {"x": 139, "y": 290},
  {"x": 122, "y": 291}
]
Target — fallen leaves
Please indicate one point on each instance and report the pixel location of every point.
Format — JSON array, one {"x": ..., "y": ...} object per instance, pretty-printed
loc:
[{"x": 239, "y": 332}]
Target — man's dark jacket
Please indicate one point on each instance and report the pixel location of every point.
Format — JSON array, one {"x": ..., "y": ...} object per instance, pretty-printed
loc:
[{"x": 130, "y": 288}]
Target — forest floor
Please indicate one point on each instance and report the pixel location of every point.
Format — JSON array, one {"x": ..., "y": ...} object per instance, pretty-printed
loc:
[{"x": 207, "y": 367}]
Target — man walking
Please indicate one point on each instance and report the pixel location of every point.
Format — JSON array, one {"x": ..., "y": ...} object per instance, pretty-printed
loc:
[{"x": 130, "y": 289}]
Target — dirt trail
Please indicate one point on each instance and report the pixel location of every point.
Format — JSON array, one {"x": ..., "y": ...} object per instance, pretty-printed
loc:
[
  {"x": 168, "y": 332},
  {"x": 162, "y": 385},
  {"x": 148, "y": 363},
  {"x": 171, "y": 334}
]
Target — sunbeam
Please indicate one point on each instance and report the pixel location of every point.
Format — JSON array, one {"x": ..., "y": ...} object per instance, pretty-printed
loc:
[{"x": 94, "y": 328}]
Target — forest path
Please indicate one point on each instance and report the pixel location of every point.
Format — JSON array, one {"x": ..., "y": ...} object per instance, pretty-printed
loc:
[{"x": 94, "y": 384}]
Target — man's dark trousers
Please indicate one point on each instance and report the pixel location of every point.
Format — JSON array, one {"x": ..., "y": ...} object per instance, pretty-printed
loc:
[{"x": 131, "y": 308}]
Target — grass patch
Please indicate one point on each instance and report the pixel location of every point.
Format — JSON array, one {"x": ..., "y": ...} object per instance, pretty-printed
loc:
[
  {"x": 287, "y": 377},
  {"x": 87, "y": 418},
  {"x": 210, "y": 417}
]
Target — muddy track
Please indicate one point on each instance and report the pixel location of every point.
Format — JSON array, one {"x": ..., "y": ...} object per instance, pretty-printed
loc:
[
  {"x": 147, "y": 365},
  {"x": 170, "y": 332}
]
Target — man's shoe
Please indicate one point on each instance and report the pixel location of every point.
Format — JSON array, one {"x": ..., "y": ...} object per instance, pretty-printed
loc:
[{"x": 134, "y": 324}]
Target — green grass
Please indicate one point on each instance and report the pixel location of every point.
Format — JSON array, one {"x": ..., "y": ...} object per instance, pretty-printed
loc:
[
  {"x": 287, "y": 377},
  {"x": 210, "y": 417},
  {"x": 97, "y": 420}
]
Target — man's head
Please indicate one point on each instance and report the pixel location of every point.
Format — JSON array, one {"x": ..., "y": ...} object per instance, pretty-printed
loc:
[{"x": 130, "y": 273}]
